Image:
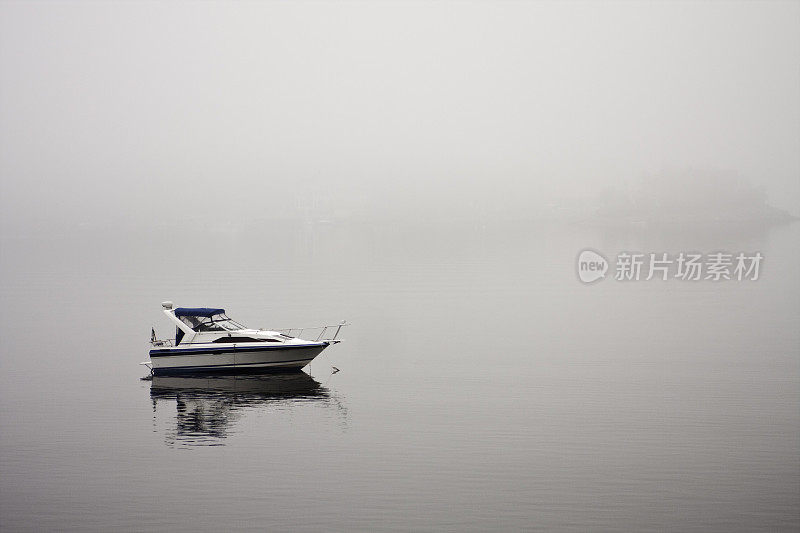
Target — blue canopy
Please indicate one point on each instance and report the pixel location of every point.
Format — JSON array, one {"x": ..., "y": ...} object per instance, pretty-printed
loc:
[{"x": 198, "y": 311}]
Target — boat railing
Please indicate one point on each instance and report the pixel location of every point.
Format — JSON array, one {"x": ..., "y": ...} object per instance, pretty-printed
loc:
[
  {"x": 162, "y": 343},
  {"x": 323, "y": 334}
]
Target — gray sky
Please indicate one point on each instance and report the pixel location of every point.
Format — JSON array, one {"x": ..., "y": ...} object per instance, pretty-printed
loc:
[{"x": 129, "y": 111}]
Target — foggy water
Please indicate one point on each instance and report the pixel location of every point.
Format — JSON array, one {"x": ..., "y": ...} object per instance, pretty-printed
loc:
[{"x": 482, "y": 386}]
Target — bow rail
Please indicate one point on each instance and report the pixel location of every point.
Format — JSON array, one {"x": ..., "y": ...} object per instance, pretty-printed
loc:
[{"x": 323, "y": 330}]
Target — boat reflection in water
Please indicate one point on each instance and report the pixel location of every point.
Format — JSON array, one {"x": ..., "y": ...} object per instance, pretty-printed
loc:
[{"x": 207, "y": 407}]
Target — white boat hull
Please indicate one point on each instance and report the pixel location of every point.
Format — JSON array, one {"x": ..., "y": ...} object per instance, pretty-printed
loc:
[{"x": 235, "y": 358}]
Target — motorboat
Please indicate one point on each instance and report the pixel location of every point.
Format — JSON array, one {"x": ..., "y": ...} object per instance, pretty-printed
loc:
[{"x": 207, "y": 340}]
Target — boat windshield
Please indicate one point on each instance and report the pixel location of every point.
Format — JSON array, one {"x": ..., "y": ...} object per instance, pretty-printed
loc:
[{"x": 215, "y": 323}]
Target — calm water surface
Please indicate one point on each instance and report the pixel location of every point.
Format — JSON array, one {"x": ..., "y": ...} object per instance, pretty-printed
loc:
[{"x": 482, "y": 386}]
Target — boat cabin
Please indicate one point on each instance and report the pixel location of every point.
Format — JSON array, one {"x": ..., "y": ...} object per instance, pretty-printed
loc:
[
  {"x": 202, "y": 321},
  {"x": 207, "y": 319},
  {"x": 198, "y": 325}
]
